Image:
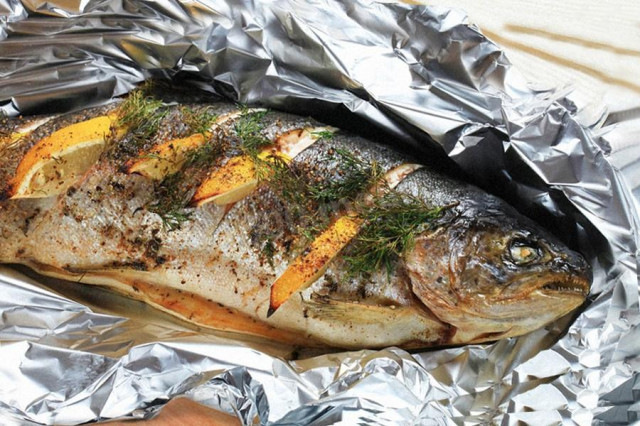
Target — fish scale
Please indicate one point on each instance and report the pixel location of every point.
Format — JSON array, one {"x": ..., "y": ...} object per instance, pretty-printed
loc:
[{"x": 458, "y": 284}]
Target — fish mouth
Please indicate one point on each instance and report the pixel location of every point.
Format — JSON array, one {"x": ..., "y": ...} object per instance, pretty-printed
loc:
[{"x": 566, "y": 285}]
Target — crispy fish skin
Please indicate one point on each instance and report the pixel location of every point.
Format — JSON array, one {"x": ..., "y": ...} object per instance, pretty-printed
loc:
[{"x": 484, "y": 273}]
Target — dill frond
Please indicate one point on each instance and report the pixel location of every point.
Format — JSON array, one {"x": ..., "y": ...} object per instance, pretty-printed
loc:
[
  {"x": 248, "y": 127},
  {"x": 312, "y": 201},
  {"x": 283, "y": 179},
  {"x": 268, "y": 250},
  {"x": 170, "y": 202},
  {"x": 205, "y": 154},
  {"x": 141, "y": 114},
  {"x": 199, "y": 121},
  {"x": 173, "y": 220},
  {"x": 173, "y": 194},
  {"x": 392, "y": 222},
  {"x": 324, "y": 134},
  {"x": 356, "y": 176}
]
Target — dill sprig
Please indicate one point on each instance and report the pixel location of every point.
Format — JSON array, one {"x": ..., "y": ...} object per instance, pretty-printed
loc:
[
  {"x": 248, "y": 127},
  {"x": 141, "y": 114},
  {"x": 173, "y": 194},
  {"x": 268, "y": 250},
  {"x": 283, "y": 179},
  {"x": 203, "y": 155},
  {"x": 392, "y": 221},
  {"x": 313, "y": 201},
  {"x": 198, "y": 121},
  {"x": 324, "y": 134},
  {"x": 356, "y": 176},
  {"x": 171, "y": 200},
  {"x": 174, "y": 219}
]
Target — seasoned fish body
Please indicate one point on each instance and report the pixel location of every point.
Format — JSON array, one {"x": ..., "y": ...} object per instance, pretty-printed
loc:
[{"x": 477, "y": 271}]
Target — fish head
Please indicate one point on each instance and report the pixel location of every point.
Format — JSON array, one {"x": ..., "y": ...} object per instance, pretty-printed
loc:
[{"x": 492, "y": 273}]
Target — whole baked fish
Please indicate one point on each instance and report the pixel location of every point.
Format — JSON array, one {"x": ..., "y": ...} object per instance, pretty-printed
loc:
[{"x": 275, "y": 225}]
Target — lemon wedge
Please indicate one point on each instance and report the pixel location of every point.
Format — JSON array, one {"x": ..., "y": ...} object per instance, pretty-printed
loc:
[
  {"x": 306, "y": 269},
  {"x": 170, "y": 156},
  {"x": 228, "y": 184},
  {"x": 166, "y": 158},
  {"x": 57, "y": 161},
  {"x": 237, "y": 178}
]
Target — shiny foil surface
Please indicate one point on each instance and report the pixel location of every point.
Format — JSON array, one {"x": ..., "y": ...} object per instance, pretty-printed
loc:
[{"x": 424, "y": 79}]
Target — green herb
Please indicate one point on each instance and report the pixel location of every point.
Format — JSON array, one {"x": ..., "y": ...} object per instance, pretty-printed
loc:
[
  {"x": 171, "y": 200},
  {"x": 392, "y": 221},
  {"x": 173, "y": 220},
  {"x": 204, "y": 155},
  {"x": 314, "y": 224},
  {"x": 324, "y": 134},
  {"x": 356, "y": 176},
  {"x": 173, "y": 194},
  {"x": 156, "y": 156},
  {"x": 283, "y": 179},
  {"x": 313, "y": 201},
  {"x": 269, "y": 250},
  {"x": 199, "y": 121},
  {"x": 248, "y": 127},
  {"x": 141, "y": 114}
]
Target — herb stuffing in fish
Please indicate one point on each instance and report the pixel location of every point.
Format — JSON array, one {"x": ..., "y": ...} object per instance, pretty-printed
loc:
[{"x": 269, "y": 224}]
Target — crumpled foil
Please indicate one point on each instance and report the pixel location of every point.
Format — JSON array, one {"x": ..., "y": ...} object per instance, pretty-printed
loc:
[{"x": 424, "y": 79}]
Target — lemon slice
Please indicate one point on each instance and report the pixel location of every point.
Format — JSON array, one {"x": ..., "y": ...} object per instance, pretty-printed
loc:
[
  {"x": 55, "y": 162},
  {"x": 228, "y": 184},
  {"x": 169, "y": 157},
  {"x": 166, "y": 158},
  {"x": 237, "y": 178}
]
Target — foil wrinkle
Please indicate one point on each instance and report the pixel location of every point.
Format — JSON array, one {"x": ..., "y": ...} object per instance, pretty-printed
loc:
[{"x": 424, "y": 79}]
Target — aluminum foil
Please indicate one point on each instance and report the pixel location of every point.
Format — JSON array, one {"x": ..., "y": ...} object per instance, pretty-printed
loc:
[{"x": 424, "y": 79}]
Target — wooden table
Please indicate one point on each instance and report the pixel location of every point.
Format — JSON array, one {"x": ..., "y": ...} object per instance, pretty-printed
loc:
[{"x": 184, "y": 412}]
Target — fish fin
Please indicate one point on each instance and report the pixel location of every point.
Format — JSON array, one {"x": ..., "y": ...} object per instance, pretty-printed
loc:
[{"x": 185, "y": 305}]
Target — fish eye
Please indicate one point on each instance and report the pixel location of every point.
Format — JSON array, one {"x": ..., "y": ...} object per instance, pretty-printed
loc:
[{"x": 523, "y": 252}]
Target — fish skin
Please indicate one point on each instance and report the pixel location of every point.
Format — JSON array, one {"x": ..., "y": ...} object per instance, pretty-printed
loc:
[{"x": 441, "y": 293}]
